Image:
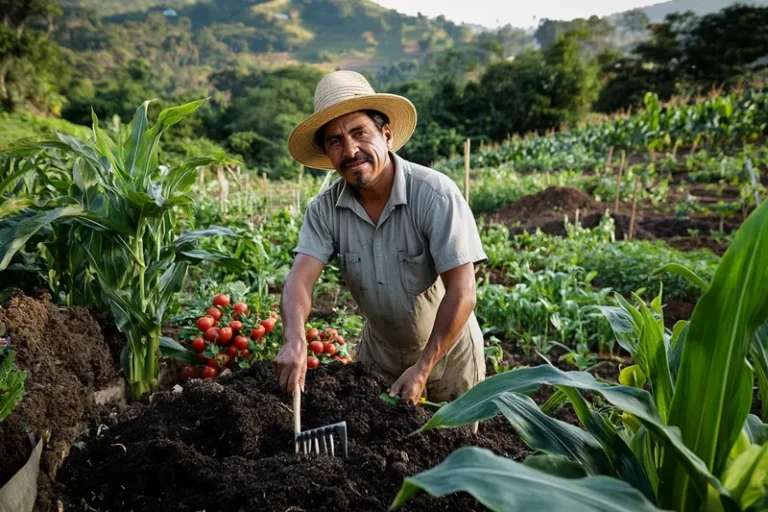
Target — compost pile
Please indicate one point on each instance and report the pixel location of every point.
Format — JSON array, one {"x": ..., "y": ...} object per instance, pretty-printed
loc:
[
  {"x": 227, "y": 444},
  {"x": 66, "y": 360}
]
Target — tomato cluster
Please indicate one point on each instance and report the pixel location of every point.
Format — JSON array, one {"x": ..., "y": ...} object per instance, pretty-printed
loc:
[
  {"x": 325, "y": 346},
  {"x": 224, "y": 342}
]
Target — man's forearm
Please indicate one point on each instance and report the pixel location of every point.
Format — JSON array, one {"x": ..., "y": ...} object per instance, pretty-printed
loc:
[
  {"x": 295, "y": 306},
  {"x": 452, "y": 316}
]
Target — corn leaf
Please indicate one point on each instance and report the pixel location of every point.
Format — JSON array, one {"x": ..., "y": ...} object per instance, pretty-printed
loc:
[
  {"x": 503, "y": 485},
  {"x": 478, "y": 404},
  {"x": 171, "y": 349},
  {"x": 556, "y": 465},
  {"x": 551, "y": 436},
  {"x": 746, "y": 476},
  {"x": 685, "y": 272},
  {"x": 759, "y": 353},
  {"x": 714, "y": 384}
]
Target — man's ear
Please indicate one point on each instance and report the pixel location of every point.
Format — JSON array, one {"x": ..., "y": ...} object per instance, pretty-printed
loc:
[{"x": 386, "y": 130}]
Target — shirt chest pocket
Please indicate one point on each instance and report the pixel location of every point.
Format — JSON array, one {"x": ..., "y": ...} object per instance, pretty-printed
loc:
[
  {"x": 351, "y": 267},
  {"x": 416, "y": 275}
]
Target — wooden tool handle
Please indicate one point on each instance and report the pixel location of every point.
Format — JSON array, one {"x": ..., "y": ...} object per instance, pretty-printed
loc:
[{"x": 297, "y": 411}]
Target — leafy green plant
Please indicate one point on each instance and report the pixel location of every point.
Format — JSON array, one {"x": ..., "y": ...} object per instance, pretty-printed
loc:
[
  {"x": 688, "y": 444},
  {"x": 117, "y": 220},
  {"x": 11, "y": 382}
]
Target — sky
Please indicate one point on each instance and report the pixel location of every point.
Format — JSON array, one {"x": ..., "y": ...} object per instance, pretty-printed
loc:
[{"x": 518, "y": 13}]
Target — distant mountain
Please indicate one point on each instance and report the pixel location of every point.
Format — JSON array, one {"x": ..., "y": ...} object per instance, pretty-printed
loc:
[{"x": 657, "y": 12}]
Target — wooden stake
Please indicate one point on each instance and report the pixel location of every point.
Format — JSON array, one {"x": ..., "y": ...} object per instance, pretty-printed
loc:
[
  {"x": 618, "y": 182},
  {"x": 610, "y": 157},
  {"x": 547, "y": 177},
  {"x": 674, "y": 149},
  {"x": 577, "y": 215},
  {"x": 634, "y": 209},
  {"x": 264, "y": 183},
  {"x": 466, "y": 170}
]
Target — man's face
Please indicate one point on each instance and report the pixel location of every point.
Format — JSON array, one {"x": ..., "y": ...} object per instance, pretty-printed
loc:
[{"x": 358, "y": 150}]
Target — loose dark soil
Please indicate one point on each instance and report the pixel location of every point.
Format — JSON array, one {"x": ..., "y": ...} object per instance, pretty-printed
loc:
[
  {"x": 227, "y": 445},
  {"x": 550, "y": 205},
  {"x": 67, "y": 360}
]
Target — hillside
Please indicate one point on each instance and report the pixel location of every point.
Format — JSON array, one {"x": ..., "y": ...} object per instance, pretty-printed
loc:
[
  {"x": 657, "y": 12},
  {"x": 210, "y": 34}
]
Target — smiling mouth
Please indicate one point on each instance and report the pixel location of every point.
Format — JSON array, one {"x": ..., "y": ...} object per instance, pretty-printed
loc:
[{"x": 355, "y": 165}]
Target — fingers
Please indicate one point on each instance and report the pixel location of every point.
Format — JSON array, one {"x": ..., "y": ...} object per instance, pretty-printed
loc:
[
  {"x": 302, "y": 376},
  {"x": 396, "y": 388}
]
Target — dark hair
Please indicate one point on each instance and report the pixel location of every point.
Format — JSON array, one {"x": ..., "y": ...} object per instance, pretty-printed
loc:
[{"x": 379, "y": 119}]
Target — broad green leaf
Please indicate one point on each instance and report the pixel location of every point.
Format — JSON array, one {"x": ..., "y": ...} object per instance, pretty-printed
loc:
[
  {"x": 759, "y": 353},
  {"x": 478, "y": 404},
  {"x": 652, "y": 346},
  {"x": 556, "y": 465},
  {"x": 197, "y": 255},
  {"x": 552, "y": 436},
  {"x": 685, "y": 272},
  {"x": 756, "y": 430},
  {"x": 503, "y": 485},
  {"x": 15, "y": 205},
  {"x": 714, "y": 384},
  {"x": 626, "y": 465},
  {"x": 18, "y": 233},
  {"x": 182, "y": 241},
  {"x": 11, "y": 383},
  {"x": 632, "y": 376},
  {"x": 171, "y": 349},
  {"x": 138, "y": 126},
  {"x": 746, "y": 477}
]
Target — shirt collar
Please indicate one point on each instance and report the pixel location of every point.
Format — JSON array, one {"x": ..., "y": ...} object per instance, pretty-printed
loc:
[{"x": 398, "y": 195}]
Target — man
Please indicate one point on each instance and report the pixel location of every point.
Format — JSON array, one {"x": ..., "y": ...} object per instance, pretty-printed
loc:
[{"x": 406, "y": 241}]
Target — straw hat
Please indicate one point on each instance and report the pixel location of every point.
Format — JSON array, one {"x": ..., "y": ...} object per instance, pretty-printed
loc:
[{"x": 339, "y": 93}]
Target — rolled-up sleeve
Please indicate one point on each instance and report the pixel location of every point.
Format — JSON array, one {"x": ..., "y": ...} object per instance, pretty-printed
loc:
[
  {"x": 452, "y": 232},
  {"x": 315, "y": 237}
]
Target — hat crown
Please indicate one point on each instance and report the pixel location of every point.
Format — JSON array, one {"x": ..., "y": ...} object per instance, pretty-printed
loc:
[{"x": 338, "y": 86}]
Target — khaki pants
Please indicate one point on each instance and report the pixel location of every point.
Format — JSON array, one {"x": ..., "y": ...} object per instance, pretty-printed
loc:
[{"x": 458, "y": 371}]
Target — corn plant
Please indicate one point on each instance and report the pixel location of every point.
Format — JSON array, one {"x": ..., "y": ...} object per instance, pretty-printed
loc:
[
  {"x": 117, "y": 219},
  {"x": 11, "y": 381},
  {"x": 687, "y": 444}
]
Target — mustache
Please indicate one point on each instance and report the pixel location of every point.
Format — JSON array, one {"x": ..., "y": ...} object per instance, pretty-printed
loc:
[{"x": 358, "y": 159}]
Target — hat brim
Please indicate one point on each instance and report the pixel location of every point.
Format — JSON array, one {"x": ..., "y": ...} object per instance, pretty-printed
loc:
[{"x": 400, "y": 111}]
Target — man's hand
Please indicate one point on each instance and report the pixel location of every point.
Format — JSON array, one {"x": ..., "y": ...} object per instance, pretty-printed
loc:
[
  {"x": 291, "y": 363},
  {"x": 291, "y": 366},
  {"x": 411, "y": 383}
]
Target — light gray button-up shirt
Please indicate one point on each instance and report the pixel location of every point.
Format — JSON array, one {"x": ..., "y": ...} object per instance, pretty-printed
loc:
[{"x": 392, "y": 268}]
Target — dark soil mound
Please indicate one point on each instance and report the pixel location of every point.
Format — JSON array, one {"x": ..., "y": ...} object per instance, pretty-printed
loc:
[
  {"x": 67, "y": 360},
  {"x": 228, "y": 445},
  {"x": 551, "y": 204}
]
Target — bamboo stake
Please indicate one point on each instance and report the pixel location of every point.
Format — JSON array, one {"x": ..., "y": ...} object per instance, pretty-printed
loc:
[
  {"x": 610, "y": 157},
  {"x": 466, "y": 169},
  {"x": 618, "y": 182},
  {"x": 634, "y": 210},
  {"x": 264, "y": 183},
  {"x": 577, "y": 215}
]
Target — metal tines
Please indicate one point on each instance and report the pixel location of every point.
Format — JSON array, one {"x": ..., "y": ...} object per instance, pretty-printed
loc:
[{"x": 317, "y": 440}]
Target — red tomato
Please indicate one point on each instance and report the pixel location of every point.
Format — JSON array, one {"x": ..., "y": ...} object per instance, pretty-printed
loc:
[
  {"x": 241, "y": 308},
  {"x": 205, "y": 322},
  {"x": 188, "y": 373},
  {"x": 312, "y": 362},
  {"x": 209, "y": 373},
  {"x": 245, "y": 353},
  {"x": 312, "y": 334},
  {"x": 257, "y": 332},
  {"x": 317, "y": 347},
  {"x": 221, "y": 300},
  {"x": 236, "y": 325},
  {"x": 202, "y": 358},
  {"x": 329, "y": 348},
  {"x": 273, "y": 314},
  {"x": 198, "y": 344},
  {"x": 215, "y": 313},
  {"x": 340, "y": 339},
  {"x": 225, "y": 334},
  {"x": 268, "y": 324},
  {"x": 222, "y": 359},
  {"x": 212, "y": 363},
  {"x": 241, "y": 342},
  {"x": 331, "y": 333},
  {"x": 232, "y": 351},
  {"x": 211, "y": 333}
]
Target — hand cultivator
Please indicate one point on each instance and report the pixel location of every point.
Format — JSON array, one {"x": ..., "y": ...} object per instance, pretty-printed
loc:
[{"x": 317, "y": 440}]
